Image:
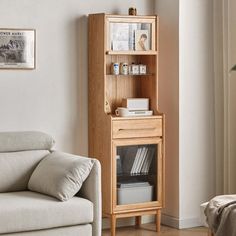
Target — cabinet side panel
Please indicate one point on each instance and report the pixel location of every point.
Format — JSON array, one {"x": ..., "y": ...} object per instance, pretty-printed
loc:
[
  {"x": 163, "y": 161},
  {"x": 99, "y": 122}
]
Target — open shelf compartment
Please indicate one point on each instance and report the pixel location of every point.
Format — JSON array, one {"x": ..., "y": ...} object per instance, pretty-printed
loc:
[{"x": 131, "y": 86}]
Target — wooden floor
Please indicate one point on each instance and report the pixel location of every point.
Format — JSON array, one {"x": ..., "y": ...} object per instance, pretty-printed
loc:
[{"x": 148, "y": 230}]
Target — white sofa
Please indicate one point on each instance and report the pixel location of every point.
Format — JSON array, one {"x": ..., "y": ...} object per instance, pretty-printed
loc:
[{"x": 24, "y": 212}]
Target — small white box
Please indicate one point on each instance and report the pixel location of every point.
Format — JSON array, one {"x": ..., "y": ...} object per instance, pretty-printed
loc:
[
  {"x": 136, "y": 104},
  {"x": 142, "y": 69},
  {"x": 134, "y": 195},
  {"x": 133, "y": 69}
]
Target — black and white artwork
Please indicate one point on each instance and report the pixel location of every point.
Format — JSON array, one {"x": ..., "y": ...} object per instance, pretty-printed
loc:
[{"x": 17, "y": 49}]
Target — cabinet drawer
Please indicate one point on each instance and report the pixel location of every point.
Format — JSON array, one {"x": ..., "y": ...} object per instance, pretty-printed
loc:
[{"x": 137, "y": 128}]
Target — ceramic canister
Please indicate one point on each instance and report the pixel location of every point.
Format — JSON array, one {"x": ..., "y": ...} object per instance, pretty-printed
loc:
[
  {"x": 115, "y": 70},
  {"x": 124, "y": 68}
]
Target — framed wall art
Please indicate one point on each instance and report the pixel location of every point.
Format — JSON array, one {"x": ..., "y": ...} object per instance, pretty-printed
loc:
[{"x": 17, "y": 48}]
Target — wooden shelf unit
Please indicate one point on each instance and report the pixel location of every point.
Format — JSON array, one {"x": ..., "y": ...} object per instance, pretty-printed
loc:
[{"x": 109, "y": 133}]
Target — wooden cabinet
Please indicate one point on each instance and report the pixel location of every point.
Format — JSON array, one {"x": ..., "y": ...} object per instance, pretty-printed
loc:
[{"x": 130, "y": 149}]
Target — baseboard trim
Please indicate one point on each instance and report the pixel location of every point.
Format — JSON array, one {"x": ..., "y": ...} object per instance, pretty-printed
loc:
[
  {"x": 180, "y": 223},
  {"x": 169, "y": 221},
  {"x": 165, "y": 220}
]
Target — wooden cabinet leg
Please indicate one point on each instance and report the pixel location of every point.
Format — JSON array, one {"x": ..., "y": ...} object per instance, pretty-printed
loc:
[
  {"x": 113, "y": 225},
  {"x": 138, "y": 221},
  {"x": 158, "y": 221}
]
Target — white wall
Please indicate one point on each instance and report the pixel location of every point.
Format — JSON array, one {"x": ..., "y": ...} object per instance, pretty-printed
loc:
[
  {"x": 53, "y": 98},
  {"x": 168, "y": 11},
  {"x": 196, "y": 103},
  {"x": 188, "y": 81}
]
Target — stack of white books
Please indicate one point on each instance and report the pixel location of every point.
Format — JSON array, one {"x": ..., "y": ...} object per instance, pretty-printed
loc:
[{"x": 138, "y": 160}]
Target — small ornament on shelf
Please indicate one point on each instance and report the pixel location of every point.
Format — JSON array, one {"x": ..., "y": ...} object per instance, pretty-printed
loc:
[
  {"x": 142, "y": 69},
  {"x": 115, "y": 68},
  {"x": 133, "y": 69},
  {"x": 124, "y": 68},
  {"x": 132, "y": 11}
]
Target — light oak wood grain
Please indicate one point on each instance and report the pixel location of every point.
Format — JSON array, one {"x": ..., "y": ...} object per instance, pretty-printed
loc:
[
  {"x": 99, "y": 122},
  {"x": 106, "y": 131},
  {"x": 137, "y": 128}
]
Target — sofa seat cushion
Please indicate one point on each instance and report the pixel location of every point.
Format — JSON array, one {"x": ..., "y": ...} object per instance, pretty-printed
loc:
[{"x": 26, "y": 211}]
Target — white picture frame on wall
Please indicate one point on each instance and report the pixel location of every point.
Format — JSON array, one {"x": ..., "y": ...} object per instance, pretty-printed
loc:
[{"x": 17, "y": 48}]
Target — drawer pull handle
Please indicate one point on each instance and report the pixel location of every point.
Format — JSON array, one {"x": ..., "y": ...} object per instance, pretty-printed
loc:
[{"x": 152, "y": 128}]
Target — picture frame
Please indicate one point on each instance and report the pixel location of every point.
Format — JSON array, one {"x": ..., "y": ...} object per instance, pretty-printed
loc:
[
  {"x": 17, "y": 48},
  {"x": 142, "y": 40}
]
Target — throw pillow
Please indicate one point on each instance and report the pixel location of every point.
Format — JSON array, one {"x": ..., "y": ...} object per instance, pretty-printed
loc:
[{"x": 60, "y": 175}]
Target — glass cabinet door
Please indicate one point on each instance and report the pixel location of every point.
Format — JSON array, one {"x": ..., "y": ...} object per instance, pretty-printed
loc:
[
  {"x": 130, "y": 35},
  {"x": 138, "y": 174}
]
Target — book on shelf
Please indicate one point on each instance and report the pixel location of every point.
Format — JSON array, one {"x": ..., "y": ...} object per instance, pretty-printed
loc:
[
  {"x": 142, "y": 159},
  {"x": 135, "y": 163},
  {"x": 132, "y": 28},
  {"x": 143, "y": 170},
  {"x": 137, "y": 160},
  {"x": 144, "y": 162},
  {"x": 148, "y": 160},
  {"x": 128, "y": 159}
]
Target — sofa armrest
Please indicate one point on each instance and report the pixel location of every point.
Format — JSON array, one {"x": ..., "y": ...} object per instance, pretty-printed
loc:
[{"x": 91, "y": 190}]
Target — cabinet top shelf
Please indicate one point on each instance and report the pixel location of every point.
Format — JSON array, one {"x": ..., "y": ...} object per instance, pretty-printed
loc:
[
  {"x": 149, "y": 52},
  {"x": 131, "y": 16},
  {"x": 137, "y": 17}
]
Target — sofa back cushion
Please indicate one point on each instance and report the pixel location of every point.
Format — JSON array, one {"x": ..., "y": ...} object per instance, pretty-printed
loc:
[
  {"x": 24, "y": 141},
  {"x": 17, "y": 167}
]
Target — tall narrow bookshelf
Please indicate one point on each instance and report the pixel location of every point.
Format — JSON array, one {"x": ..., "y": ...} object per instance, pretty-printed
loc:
[{"x": 130, "y": 149}]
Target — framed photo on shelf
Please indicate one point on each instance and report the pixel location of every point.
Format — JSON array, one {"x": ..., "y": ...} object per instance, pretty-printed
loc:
[
  {"x": 142, "y": 40},
  {"x": 17, "y": 48}
]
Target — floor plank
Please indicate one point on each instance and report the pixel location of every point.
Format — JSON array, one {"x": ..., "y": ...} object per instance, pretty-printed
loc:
[{"x": 149, "y": 230}]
